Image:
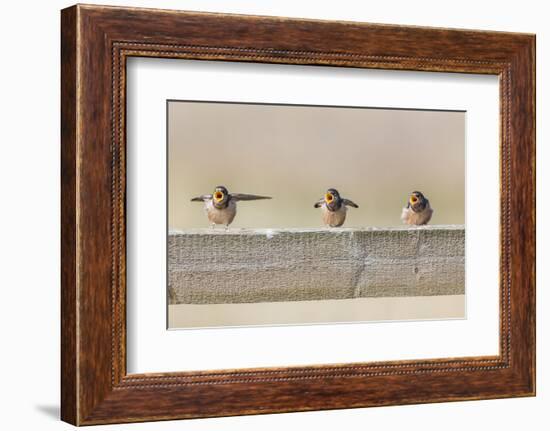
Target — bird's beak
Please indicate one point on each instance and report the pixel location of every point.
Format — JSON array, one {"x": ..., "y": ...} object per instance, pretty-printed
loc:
[
  {"x": 329, "y": 197},
  {"x": 413, "y": 200},
  {"x": 218, "y": 196}
]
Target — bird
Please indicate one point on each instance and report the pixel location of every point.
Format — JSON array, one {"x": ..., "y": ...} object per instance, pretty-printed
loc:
[
  {"x": 334, "y": 208},
  {"x": 221, "y": 206},
  {"x": 418, "y": 210}
]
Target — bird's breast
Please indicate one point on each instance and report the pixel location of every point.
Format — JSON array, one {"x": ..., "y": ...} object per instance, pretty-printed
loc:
[
  {"x": 220, "y": 215},
  {"x": 334, "y": 218}
]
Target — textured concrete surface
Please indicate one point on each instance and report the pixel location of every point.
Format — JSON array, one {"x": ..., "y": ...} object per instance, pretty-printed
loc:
[{"x": 208, "y": 266}]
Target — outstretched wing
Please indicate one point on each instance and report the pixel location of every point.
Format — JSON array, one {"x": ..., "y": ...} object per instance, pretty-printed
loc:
[
  {"x": 201, "y": 198},
  {"x": 349, "y": 203},
  {"x": 246, "y": 197},
  {"x": 319, "y": 203}
]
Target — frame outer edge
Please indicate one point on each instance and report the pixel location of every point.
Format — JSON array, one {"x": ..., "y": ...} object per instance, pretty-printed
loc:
[
  {"x": 69, "y": 201},
  {"x": 523, "y": 235},
  {"x": 532, "y": 62},
  {"x": 529, "y": 61},
  {"x": 533, "y": 54}
]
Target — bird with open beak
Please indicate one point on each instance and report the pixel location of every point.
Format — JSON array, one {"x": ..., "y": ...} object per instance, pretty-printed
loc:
[
  {"x": 334, "y": 208},
  {"x": 221, "y": 206},
  {"x": 418, "y": 210}
]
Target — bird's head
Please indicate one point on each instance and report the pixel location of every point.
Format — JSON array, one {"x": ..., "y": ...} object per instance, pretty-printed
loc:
[
  {"x": 417, "y": 201},
  {"x": 332, "y": 198},
  {"x": 220, "y": 196}
]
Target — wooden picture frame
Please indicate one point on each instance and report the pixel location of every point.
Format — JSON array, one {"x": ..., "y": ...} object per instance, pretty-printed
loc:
[{"x": 95, "y": 43}]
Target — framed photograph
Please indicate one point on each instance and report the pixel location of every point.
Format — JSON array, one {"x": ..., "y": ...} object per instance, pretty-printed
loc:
[
  {"x": 296, "y": 258},
  {"x": 264, "y": 215}
]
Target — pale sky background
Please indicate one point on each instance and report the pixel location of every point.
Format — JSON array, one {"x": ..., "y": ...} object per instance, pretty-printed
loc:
[{"x": 374, "y": 157}]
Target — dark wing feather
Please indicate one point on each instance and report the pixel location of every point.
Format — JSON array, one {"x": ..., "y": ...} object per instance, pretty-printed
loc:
[
  {"x": 319, "y": 203},
  {"x": 246, "y": 197},
  {"x": 201, "y": 198},
  {"x": 349, "y": 203}
]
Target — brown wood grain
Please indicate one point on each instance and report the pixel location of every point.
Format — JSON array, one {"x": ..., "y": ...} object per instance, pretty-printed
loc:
[
  {"x": 96, "y": 41},
  {"x": 68, "y": 217}
]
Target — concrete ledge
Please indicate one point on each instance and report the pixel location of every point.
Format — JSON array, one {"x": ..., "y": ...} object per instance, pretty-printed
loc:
[{"x": 208, "y": 266}]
